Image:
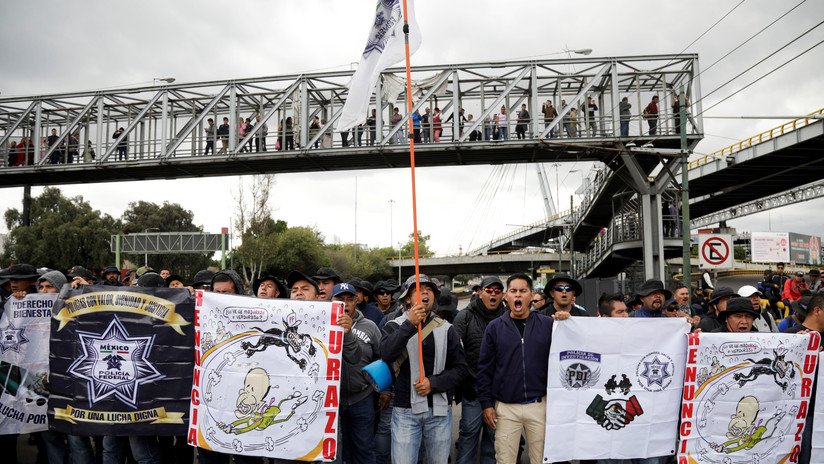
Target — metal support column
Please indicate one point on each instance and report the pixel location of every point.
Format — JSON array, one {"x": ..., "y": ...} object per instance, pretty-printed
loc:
[
  {"x": 117, "y": 239},
  {"x": 164, "y": 124},
  {"x": 36, "y": 133},
  {"x": 99, "y": 148},
  {"x": 685, "y": 193},
  {"x": 378, "y": 112},
  {"x": 232, "y": 118},
  {"x": 533, "y": 101},
  {"x": 303, "y": 123},
  {"x": 456, "y": 106},
  {"x": 616, "y": 101}
]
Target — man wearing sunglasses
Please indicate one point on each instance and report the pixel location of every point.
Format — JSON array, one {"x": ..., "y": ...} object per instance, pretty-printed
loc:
[
  {"x": 470, "y": 324},
  {"x": 562, "y": 290}
]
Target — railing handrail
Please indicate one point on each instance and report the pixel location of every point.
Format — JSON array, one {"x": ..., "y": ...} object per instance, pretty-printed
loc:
[
  {"x": 758, "y": 138},
  {"x": 525, "y": 228}
]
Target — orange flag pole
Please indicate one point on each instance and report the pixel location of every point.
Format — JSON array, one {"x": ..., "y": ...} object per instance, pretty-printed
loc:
[{"x": 414, "y": 191}]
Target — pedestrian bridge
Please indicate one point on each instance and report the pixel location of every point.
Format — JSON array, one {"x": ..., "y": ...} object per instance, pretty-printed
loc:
[{"x": 166, "y": 132}]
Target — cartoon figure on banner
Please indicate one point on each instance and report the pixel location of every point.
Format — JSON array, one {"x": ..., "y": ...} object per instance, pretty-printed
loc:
[
  {"x": 289, "y": 339},
  {"x": 750, "y": 426},
  {"x": 744, "y": 432},
  {"x": 776, "y": 366},
  {"x": 625, "y": 385},
  {"x": 253, "y": 411},
  {"x": 279, "y": 397}
]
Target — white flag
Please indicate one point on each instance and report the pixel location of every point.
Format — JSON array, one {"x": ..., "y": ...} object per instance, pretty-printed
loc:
[
  {"x": 613, "y": 388},
  {"x": 384, "y": 47}
]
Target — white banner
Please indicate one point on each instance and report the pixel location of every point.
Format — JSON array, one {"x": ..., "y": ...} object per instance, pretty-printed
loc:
[
  {"x": 818, "y": 419},
  {"x": 24, "y": 363},
  {"x": 267, "y": 375},
  {"x": 746, "y": 397},
  {"x": 770, "y": 247},
  {"x": 384, "y": 47},
  {"x": 613, "y": 388}
]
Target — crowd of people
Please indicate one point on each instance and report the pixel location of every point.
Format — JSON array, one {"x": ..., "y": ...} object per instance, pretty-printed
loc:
[
  {"x": 488, "y": 359},
  {"x": 428, "y": 127}
]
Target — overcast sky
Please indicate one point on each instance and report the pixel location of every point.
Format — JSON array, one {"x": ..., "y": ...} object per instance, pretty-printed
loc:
[{"x": 57, "y": 46}]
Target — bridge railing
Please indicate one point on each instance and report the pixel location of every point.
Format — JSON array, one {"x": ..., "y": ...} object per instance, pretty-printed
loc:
[
  {"x": 756, "y": 139},
  {"x": 521, "y": 230},
  {"x": 301, "y": 111}
]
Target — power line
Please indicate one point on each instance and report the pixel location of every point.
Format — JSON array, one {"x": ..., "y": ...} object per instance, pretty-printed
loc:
[
  {"x": 762, "y": 60},
  {"x": 762, "y": 77}
]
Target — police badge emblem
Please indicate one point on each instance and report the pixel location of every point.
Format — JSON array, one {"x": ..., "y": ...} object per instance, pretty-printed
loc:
[{"x": 579, "y": 369}]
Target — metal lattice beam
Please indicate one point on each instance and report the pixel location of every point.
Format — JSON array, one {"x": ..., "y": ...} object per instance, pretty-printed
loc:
[{"x": 167, "y": 243}]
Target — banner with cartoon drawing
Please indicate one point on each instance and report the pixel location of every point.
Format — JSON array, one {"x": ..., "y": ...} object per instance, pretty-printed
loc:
[
  {"x": 121, "y": 361},
  {"x": 24, "y": 363},
  {"x": 818, "y": 419},
  {"x": 266, "y": 377},
  {"x": 613, "y": 388},
  {"x": 746, "y": 397}
]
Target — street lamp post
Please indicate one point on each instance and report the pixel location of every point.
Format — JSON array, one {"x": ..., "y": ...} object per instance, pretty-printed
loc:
[
  {"x": 145, "y": 252},
  {"x": 399, "y": 264}
]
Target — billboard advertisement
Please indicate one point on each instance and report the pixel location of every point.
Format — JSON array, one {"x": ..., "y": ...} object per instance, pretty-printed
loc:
[
  {"x": 770, "y": 247},
  {"x": 805, "y": 249}
]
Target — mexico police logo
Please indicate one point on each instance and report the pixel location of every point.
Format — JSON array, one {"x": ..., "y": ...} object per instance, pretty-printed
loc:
[
  {"x": 579, "y": 369},
  {"x": 114, "y": 364},
  {"x": 655, "y": 371}
]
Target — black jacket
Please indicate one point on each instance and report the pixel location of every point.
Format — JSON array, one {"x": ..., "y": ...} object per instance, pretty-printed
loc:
[
  {"x": 470, "y": 323},
  {"x": 512, "y": 369},
  {"x": 710, "y": 323}
]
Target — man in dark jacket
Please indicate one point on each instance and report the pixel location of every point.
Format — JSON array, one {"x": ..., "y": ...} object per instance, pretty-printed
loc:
[
  {"x": 710, "y": 322},
  {"x": 562, "y": 291},
  {"x": 512, "y": 373},
  {"x": 111, "y": 277},
  {"x": 357, "y": 410},
  {"x": 422, "y": 404},
  {"x": 471, "y": 323}
]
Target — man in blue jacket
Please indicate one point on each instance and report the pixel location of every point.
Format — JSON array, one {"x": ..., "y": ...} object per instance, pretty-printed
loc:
[{"x": 512, "y": 373}]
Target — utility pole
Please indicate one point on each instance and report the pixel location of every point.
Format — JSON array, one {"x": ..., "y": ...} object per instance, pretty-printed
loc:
[
  {"x": 391, "y": 222},
  {"x": 685, "y": 192}
]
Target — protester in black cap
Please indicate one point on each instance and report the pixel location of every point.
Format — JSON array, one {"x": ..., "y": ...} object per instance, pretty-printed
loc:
[
  {"x": 202, "y": 280},
  {"x": 652, "y": 295},
  {"x": 175, "y": 281},
  {"x": 79, "y": 275},
  {"x": 22, "y": 279},
  {"x": 269, "y": 286},
  {"x": 111, "y": 277},
  {"x": 815, "y": 284},
  {"x": 562, "y": 290},
  {"x": 672, "y": 308},
  {"x": 710, "y": 322},
  {"x": 302, "y": 287},
  {"x": 326, "y": 279},
  {"x": 383, "y": 294},
  {"x": 363, "y": 298},
  {"x": 470, "y": 324},
  {"x": 151, "y": 280},
  {"x": 737, "y": 316}
]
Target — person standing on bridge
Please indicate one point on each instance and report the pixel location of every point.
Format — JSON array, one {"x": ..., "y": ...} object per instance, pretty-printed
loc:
[
  {"x": 503, "y": 124},
  {"x": 523, "y": 122},
  {"x": 470, "y": 324},
  {"x": 437, "y": 127},
  {"x": 624, "y": 108},
  {"x": 122, "y": 146},
  {"x": 223, "y": 133},
  {"x": 651, "y": 115},
  {"x": 592, "y": 121},
  {"x": 211, "y": 134},
  {"x": 550, "y": 113}
]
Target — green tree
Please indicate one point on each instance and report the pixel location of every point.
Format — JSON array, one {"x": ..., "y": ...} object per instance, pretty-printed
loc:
[
  {"x": 144, "y": 216},
  {"x": 408, "y": 249},
  {"x": 63, "y": 232},
  {"x": 258, "y": 247},
  {"x": 351, "y": 260},
  {"x": 297, "y": 248}
]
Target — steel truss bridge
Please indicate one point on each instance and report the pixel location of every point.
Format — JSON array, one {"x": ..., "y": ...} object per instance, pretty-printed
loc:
[{"x": 165, "y": 126}]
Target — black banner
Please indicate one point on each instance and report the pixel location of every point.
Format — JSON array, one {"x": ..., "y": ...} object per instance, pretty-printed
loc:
[{"x": 121, "y": 361}]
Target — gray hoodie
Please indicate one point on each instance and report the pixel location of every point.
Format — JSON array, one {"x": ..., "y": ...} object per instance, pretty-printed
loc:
[{"x": 354, "y": 385}]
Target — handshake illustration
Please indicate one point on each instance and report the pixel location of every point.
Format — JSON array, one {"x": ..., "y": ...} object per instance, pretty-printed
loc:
[{"x": 614, "y": 414}]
